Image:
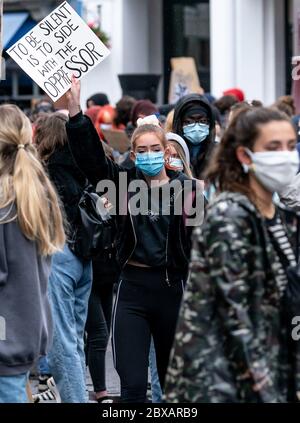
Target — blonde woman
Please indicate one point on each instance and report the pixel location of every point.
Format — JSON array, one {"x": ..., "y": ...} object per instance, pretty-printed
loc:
[
  {"x": 31, "y": 230},
  {"x": 178, "y": 157},
  {"x": 152, "y": 247}
]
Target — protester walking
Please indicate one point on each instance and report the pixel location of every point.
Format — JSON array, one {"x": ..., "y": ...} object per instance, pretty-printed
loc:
[
  {"x": 71, "y": 275},
  {"x": 31, "y": 231},
  {"x": 152, "y": 248},
  {"x": 98, "y": 325},
  {"x": 234, "y": 338},
  {"x": 194, "y": 121},
  {"x": 178, "y": 154}
]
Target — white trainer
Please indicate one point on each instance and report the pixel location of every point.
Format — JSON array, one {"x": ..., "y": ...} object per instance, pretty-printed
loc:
[{"x": 49, "y": 396}]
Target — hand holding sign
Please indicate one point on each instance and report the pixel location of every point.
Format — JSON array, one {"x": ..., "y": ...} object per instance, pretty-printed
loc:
[
  {"x": 59, "y": 46},
  {"x": 73, "y": 97}
]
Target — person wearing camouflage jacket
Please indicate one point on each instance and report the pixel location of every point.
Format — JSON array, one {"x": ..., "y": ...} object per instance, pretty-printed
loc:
[{"x": 233, "y": 342}]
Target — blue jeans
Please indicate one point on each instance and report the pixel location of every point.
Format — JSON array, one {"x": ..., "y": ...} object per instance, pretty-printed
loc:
[
  {"x": 43, "y": 366},
  {"x": 13, "y": 389},
  {"x": 155, "y": 384},
  {"x": 69, "y": 290}
]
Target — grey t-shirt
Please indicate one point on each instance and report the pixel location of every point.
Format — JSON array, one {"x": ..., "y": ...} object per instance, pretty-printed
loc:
[{"x": 25, "y": 316}]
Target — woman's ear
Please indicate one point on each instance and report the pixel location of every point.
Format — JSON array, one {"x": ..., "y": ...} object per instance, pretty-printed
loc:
[
  {"x": 132, "y": 156},
  {"x": 242, "y": 156},
  {"x": 167, "y": 153}
]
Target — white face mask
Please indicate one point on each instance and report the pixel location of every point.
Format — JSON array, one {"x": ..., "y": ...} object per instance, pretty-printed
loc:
[{"x": 273, "y": 169}]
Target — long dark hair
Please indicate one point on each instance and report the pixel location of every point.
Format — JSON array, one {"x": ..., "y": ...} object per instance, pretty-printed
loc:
[
  {"x": 225, "y": 170},
  {"x": 123, "y": 110}
]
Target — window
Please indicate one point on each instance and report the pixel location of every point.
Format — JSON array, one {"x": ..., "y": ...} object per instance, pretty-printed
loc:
[
  {"x": 18, "y": 87},
  {"x": 186, "y": 33}
]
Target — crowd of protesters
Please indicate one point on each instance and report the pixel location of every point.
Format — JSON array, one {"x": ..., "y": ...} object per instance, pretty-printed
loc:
[{"x": 200, "y": 281}]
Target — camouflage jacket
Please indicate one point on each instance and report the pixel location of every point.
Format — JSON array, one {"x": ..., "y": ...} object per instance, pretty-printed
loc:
[{"x": 233, "y": 341}]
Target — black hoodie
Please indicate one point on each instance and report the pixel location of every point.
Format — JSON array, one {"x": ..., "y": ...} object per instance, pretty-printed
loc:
[
  {"x": 200, "y": 162},
  {"x": 69, "y": 182}
]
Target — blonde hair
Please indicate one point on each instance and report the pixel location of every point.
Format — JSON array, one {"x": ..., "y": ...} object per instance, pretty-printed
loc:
[
  {"x": 24, "y": 182},
  {"x": 180, "y": 152},
  {"x": 169, "y": 121},
  {"x": 149, "y": 129}
]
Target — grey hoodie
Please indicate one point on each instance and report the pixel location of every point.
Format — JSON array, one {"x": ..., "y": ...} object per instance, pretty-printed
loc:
[{"x": 25, "y": 316}]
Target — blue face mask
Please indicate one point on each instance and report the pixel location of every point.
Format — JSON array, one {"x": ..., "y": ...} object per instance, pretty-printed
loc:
[
  {"x": 196, "y": 133},
  {"x": 150, "y": 164},
  {"x": 175, "y": 164}
]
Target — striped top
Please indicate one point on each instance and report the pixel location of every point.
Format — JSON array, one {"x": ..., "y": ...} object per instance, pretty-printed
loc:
[{"x": 283, "y": 248}]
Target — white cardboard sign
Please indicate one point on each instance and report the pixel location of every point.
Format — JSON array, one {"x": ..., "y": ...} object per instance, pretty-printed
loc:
[{"x": 60, "y": 45}]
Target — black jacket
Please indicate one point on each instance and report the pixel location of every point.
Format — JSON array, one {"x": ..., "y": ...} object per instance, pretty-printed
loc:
[
  {"x": 90, "y": 157},
  {"x": 207, "y": 146},
  {"x": 69, "y": 182}
]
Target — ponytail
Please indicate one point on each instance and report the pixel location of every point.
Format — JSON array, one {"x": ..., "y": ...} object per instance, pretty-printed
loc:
[{"x": 24, "y": 181}]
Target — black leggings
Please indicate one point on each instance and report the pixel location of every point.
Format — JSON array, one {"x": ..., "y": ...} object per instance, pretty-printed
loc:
[
  {"x": 145, "y": 306},
  {"x": 98, "y": 329}
]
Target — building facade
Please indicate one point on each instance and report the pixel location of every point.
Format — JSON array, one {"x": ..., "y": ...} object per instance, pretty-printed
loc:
[
  {"x": 236, "y": 43},
  {"x": 37, "y": 8}
]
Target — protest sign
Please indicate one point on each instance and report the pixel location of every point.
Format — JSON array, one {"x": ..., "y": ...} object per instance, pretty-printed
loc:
[
  {"x": 184, "y": 78},
  {"x": 62, "y": 44},
  {"x": 117, "y": 140}
]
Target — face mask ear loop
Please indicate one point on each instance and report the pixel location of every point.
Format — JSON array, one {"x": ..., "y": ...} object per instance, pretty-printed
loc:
[{"x": 244, "y": 166}]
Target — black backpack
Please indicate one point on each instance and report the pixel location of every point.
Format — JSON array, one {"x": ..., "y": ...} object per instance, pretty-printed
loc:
[{"x": 96, "y": 228}]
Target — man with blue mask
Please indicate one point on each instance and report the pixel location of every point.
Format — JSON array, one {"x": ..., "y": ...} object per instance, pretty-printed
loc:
[{"x": 194, "y": 120}]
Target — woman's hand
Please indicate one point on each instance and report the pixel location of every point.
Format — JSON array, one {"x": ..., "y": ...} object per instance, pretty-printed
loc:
[{"x": 73, "y": 97}]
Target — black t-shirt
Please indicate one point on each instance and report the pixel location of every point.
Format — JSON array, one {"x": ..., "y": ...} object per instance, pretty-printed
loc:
[{"x": 152, "y": 226}]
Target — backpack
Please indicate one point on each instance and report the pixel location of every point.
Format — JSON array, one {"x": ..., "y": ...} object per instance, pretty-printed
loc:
[{"x": 96, "y": 229}]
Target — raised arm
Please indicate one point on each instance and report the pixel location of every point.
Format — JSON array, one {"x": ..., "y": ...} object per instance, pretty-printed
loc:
[{"x": 85, "y": 144}]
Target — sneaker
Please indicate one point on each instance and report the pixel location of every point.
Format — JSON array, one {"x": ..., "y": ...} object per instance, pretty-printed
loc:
[
  {"x": 49, "y": 396},
  {"x": 105, "y": 400},
  {"x": 43, "y": 383}
]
